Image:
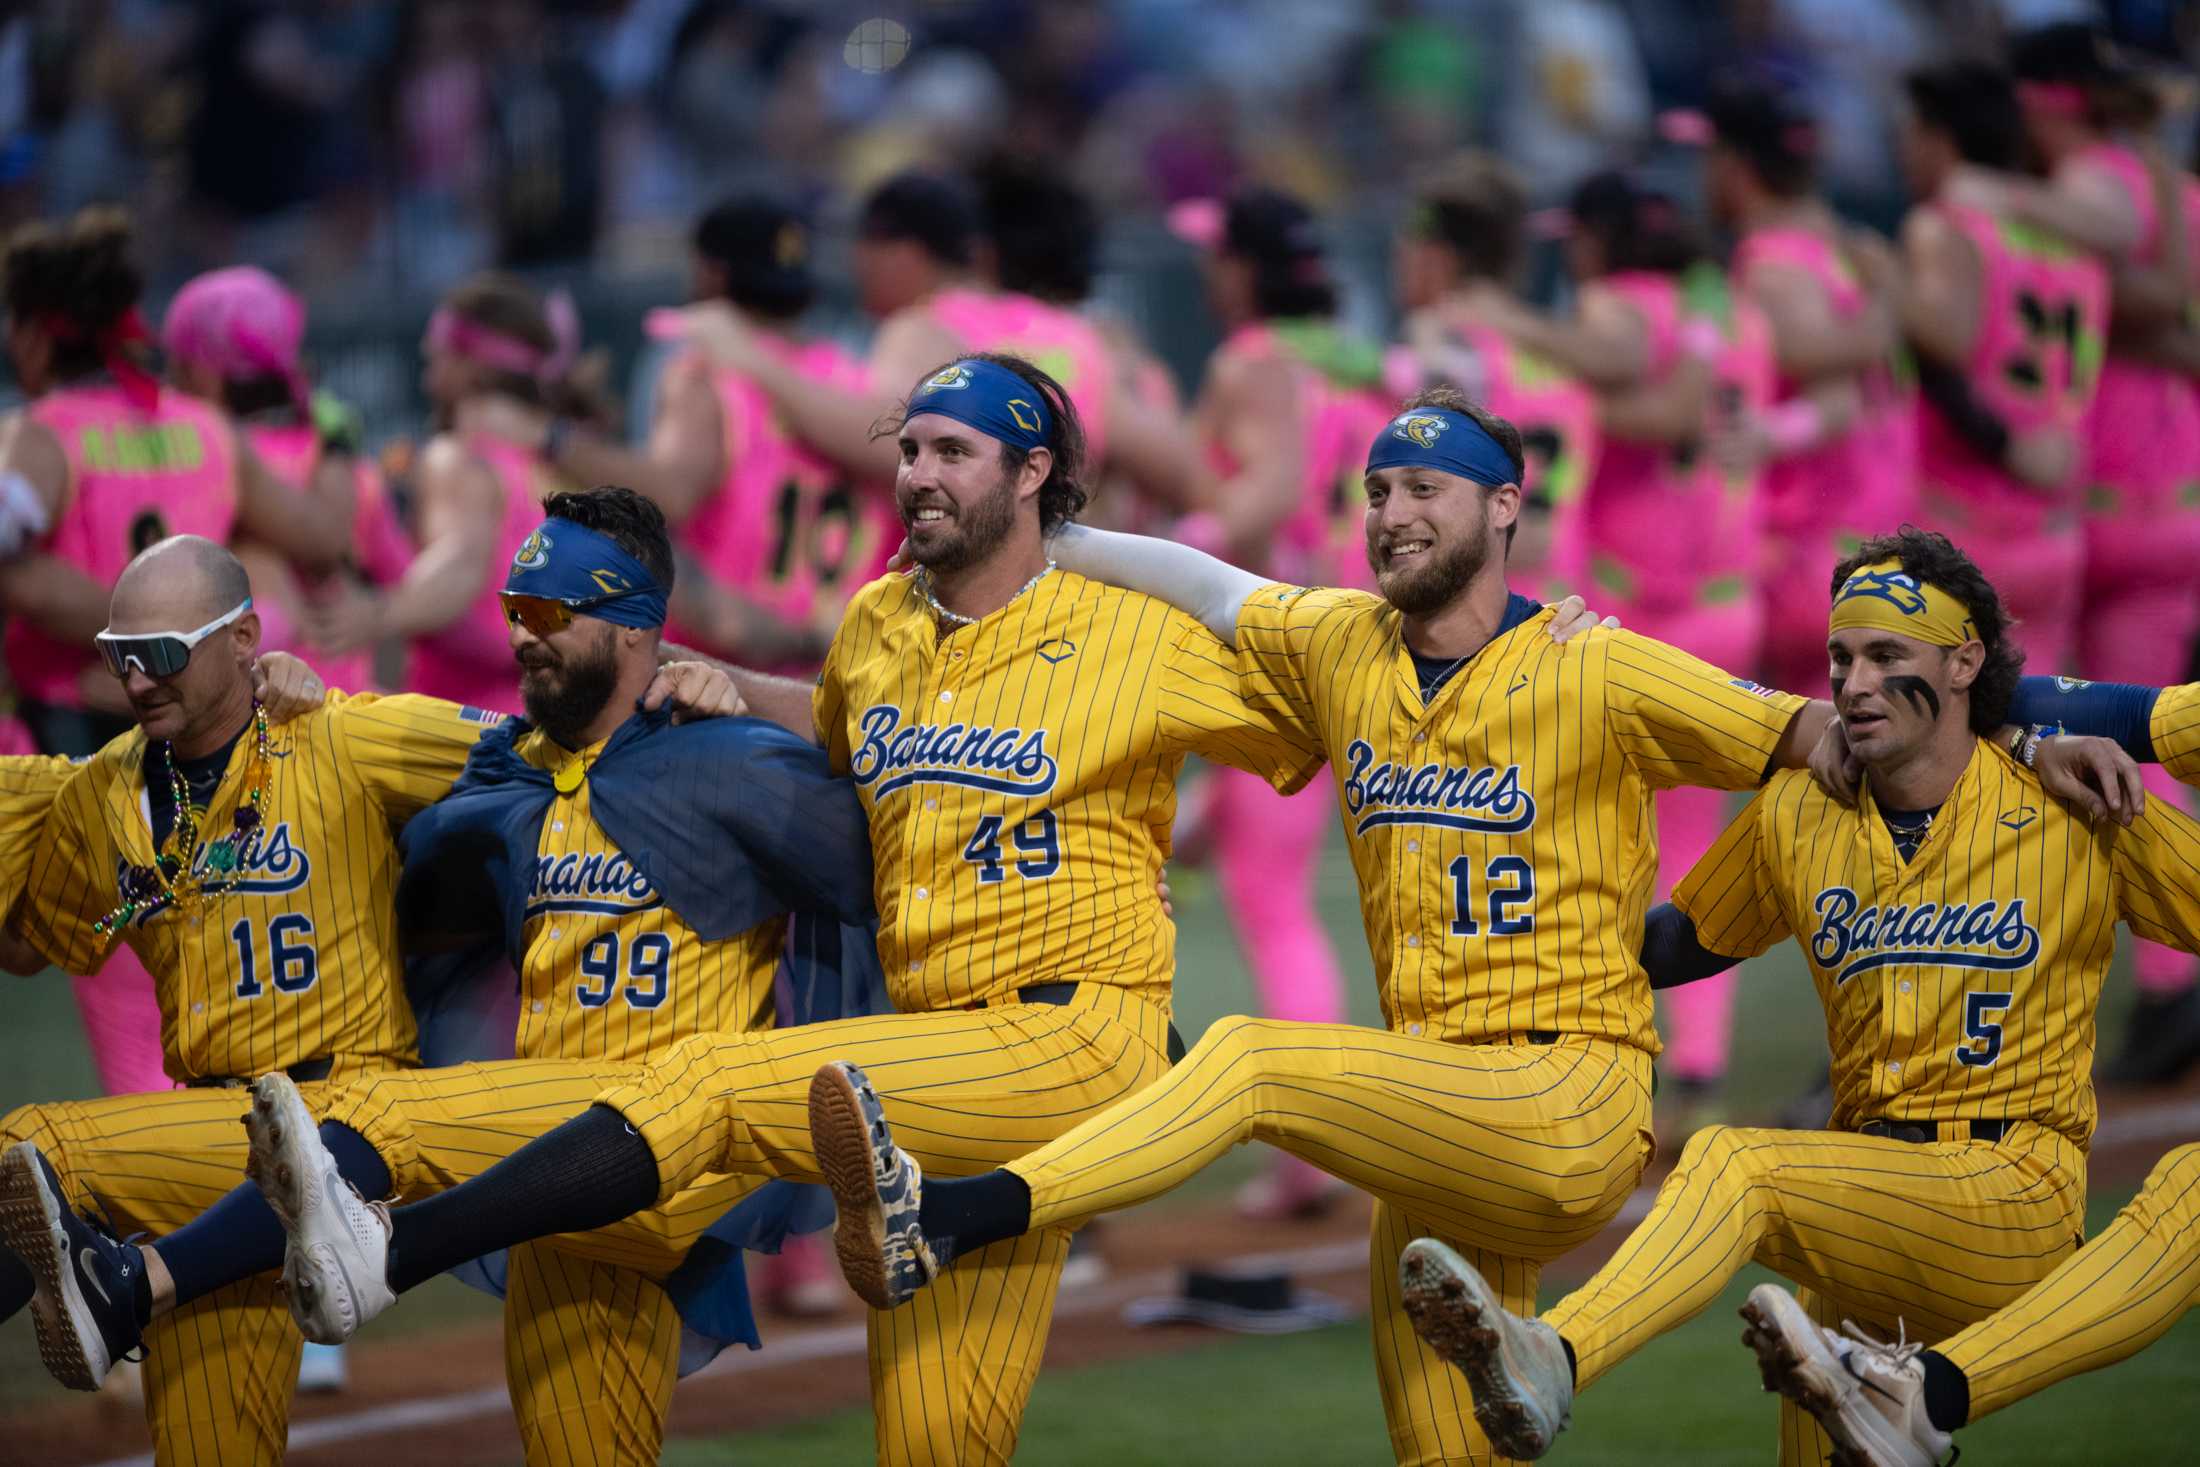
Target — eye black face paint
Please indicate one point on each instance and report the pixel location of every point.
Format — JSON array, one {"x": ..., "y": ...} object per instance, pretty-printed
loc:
[
  {"x": 1838, "y": 684},
  {"x": 1915, "y": 690}
]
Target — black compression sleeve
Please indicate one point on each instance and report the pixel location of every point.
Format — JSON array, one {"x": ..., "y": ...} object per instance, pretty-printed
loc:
[{"x": 1670, "y": 953}]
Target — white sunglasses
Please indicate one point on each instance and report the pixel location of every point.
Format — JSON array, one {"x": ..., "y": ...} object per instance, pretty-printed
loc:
[{"x": 159, "y": 654}]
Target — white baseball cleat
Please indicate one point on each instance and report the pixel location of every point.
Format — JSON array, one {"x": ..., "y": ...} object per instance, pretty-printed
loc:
[
  {"x": 1870, "y": 1397},
  {"x": 336, "y": 1268},
  {"x": 1523, "y": 1387}
]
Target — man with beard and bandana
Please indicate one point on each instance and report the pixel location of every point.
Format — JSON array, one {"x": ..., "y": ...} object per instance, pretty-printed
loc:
[
  {"x": 1014, "y": 734},
  {"x": 639, "y": 877},
  {"x": 1496, "y": 795},
  {"x": 1958, "y": 925}
]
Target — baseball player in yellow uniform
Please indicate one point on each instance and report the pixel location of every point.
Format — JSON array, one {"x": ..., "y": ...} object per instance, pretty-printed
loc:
[
  {"x": 1958, "y": 924},
  {"x": 1014, "y": 733},
  {"x": 1496, "y": 794},
  {"x": 261, "y": 959},
  {"x": 1895, "y": 1405},
  {"x": 259, "y": 898},
  {"x": 596, "y": 828}
]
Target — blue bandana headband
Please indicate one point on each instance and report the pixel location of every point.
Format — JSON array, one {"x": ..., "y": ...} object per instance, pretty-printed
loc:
[
  {"x": 563, "y": 561},
  {"x": 1438, "y": 438},
  {"x": 989, "y": 398}
]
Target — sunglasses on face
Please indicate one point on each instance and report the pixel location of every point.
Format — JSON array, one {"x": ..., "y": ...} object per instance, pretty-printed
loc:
[
  {"x": 159, "y": 654},
  {"x": 545, "y": 616}
]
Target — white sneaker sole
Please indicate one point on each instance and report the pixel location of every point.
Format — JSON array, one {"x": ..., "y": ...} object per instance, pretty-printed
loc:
[
  {"x": 1453, "y": 1309},
  {"x": 325, "y": 1273},
  {"x": 30, "y": 1222}
]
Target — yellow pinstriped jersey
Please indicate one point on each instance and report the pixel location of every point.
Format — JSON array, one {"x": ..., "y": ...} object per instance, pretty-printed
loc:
[
  {"x": 2175, "y": 729},
  {"x": 300, "y": 961},
  {"x": 1503, "y": 833},
  {"x": 28, "y": 783},
  {"x": 1961, "y": 984},
  {"x": 1020, "y": 778},
  {"x": 611, "y": 972}
]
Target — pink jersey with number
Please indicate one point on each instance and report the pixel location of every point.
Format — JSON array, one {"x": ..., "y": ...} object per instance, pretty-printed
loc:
[
  {"x": 1557, "y": 417},
  {"x": 1061, "y": 343},
  {"x": 1652, "y": 511},
  {"x": 470, "y": 661},
  {"x": 2143, "y": 435},
  {"x": 1323, "y": 541},
  {"x": 379, "y": 549},
  {"x": 135, "y": 477},
  {"x": 1858, "y": 483},
  {"x": 2043, "y": 312},
  {"x": 787, "y": 528}
]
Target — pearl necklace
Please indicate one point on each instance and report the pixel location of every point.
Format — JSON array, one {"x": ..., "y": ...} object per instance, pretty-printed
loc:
[{"x": 955, "y": 618}]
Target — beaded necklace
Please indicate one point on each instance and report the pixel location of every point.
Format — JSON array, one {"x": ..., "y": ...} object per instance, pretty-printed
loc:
[
  {"x": 950, "y": 620},
  {"x": 184, "y": 875}
]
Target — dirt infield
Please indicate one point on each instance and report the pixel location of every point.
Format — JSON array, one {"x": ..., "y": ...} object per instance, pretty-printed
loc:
[{"x": 439, "y": 1397}]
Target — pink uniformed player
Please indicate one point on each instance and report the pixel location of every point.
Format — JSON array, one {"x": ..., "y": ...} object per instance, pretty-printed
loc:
[
  {"x": 1833, "y": 476},
  {"x": 104, "y": 463},
  {"x": 924, "y": 271},
  {"x": 1671, "y": 519},
  {"x": 2007, "y": 320},
  {"x": 233, "y": 337},
  {"x": 2087, "y": 117},
  {"x": 1461, "y": 249},
  {"x": 477, "y": 495},
  {"x": 1284, "y": 414}
]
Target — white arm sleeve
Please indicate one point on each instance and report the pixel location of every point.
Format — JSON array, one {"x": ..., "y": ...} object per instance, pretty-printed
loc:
[{"x": 1192, "y": 581}]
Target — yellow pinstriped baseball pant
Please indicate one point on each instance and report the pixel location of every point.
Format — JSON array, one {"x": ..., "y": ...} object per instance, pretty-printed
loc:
[
  {"x": 1511, "y": 1153},
  {"x": 219, "y": 1371},
  {"x": 1920, "y": 1238},
  {"x": 2119, "y": 1294},
  {"x": 591, "y": 1342},
  {"x": 965, "y": 1090}
]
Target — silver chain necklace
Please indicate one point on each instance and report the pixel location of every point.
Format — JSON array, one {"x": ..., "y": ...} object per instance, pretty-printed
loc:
[{"x": 955, "y": 618}]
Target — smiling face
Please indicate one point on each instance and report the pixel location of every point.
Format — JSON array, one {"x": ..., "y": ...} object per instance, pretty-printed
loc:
[
  {"x": 1429, "y": 533},
  {"x": 958, "y": 499},
  {"x": 1894, "y": 693}
]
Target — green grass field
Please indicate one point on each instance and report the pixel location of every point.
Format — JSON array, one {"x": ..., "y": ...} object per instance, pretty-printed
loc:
[{"x": 1691, "y": 1398}]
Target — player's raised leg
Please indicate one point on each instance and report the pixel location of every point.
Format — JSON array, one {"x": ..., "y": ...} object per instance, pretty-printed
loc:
[{"x": 2113, "y": 1298}]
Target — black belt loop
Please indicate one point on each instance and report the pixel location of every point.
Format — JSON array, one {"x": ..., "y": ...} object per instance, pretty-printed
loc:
[
  {"x": 305, "y": 1072},
  {"x": 1924, "y": 1133},
  {"x": 1061, "y": 993},
  {"x": 1543, "y": 1036}
]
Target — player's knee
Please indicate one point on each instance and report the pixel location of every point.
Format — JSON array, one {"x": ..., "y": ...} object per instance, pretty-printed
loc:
[
  {"x": 1236, "y": 1041},
  {"x": 1717, "y": 1151},
  {"x": 2179, "y": 1172},
  {"x": 32, "y": 1123}
]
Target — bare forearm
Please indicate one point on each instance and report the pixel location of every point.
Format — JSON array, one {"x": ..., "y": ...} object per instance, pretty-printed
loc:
[
  {"x": 66, "y": 604},
  {"x": 675, "y": 488},
  {"x": 436, "y": 590},
  {"x": 837, "y": 423},
  {"x": 1803, "y": 733}
]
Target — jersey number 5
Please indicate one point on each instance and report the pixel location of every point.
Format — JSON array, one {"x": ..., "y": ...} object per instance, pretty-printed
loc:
[{"x": 1976, "y": 1006}]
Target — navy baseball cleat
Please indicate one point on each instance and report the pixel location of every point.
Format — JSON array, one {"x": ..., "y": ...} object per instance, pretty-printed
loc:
[
  {"x": 876, "y": 1190},
  {"x": 85, "y": 1304}
]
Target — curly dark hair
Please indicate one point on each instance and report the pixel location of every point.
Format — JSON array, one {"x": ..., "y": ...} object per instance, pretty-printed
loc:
[
  {"x": 622, "y": 516},
  {"x": 81, "y": 274},
  {"x": 1062, "y": 497},
  {"x": 1443, "y": 395},
  {"x": 1933, "y": 558}
]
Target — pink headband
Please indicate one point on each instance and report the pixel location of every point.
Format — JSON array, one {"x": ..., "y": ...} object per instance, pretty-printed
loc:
[
  {"x": 2052, "y": 99},
  {"x": 463, "y": 336},
  {"x": 240, "y": 322}
]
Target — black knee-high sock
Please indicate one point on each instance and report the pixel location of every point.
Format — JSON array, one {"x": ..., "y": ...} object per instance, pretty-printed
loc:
[
  {"x": 1947, "y": 1392},
  {"x": 963, "y": 1214},
  {"x": 240, "y": 1236},
  {"x": 16, "y": 1284},
  {"x": 588, "y": 1173}
]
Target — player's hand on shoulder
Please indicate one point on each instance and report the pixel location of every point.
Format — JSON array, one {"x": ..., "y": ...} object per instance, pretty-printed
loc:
[
  {"x": 694, "y": 690},
  {"x": 1573, "y": 617},
  {"x": 285, "y": 686},
  {"x": 1168, "y": 898},
  {"x": 2093, "y": 774},
  {"x": 1837, "y": 769}
]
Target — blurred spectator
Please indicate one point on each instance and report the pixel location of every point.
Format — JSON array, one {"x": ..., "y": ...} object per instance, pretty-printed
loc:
[
  {"x": 1580, "y": 98},
  {"x": 546, "y": 114}
]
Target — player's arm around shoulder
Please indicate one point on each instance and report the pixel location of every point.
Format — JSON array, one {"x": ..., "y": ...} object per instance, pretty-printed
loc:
[
  {"x": 1687, "y": 722},
  {"x": 69, "y": 883},
  {"x": 2156, "y": 860},
  {"x": 403, "y": 749},
  {"x": 1204, "y": 702}
]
